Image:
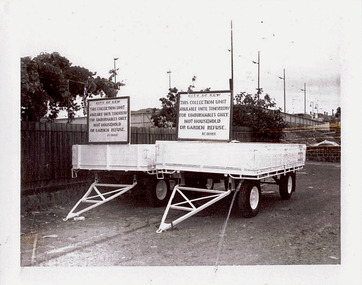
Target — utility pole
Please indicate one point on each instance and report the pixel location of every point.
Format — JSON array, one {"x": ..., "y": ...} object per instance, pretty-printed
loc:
[
  {"x": 312, "y": 112},
  {"x": 305, "y": 98},
  {"x": 258, "y": 63},
  {"x": 232, "y": 63},
  {"x": 169, "y": 79},
  {"x": 115, "y": 70},
  {"x": 285, "y": 96}
]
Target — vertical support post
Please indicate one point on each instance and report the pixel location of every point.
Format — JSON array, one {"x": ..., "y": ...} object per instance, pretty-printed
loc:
[
  {"x": 232, "y": 62},
  {"x": 285, "y": 96},
  {"x": 305, "y": 98},
  {"x": 258, "y": 75}
]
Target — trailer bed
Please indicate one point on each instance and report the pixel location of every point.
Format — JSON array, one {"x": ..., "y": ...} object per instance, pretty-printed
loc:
[
  {"x": 245, "y": 160},
  {"x": 117, "y": 157}
]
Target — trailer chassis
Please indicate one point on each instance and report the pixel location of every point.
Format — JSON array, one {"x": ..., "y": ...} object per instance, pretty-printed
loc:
[
  {"x": 189, "y": 205},
  {"x": 252, "y": 185},
  {"x": 97, "y": 197}
]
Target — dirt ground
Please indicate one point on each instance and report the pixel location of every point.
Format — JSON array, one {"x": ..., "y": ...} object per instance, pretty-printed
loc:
[{"x": 301, "y": 231}]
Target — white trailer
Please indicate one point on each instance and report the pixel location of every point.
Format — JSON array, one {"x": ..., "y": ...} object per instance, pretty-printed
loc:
[
  {"x": 193, "y": 167},
  {"x": 244, "y": 166},
  {"x": 131, "y": 165}
]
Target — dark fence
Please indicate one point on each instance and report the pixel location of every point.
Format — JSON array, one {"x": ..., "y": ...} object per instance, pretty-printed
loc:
[
  {"x": 324, "y": 153},
  {"x": 46, "y": 150},
  {"x": 150, "y": 135},
  {"x": 46, "y": 153}
]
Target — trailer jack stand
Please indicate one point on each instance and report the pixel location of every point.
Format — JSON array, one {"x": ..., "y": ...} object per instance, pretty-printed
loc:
[
  {"x": 188, "y": 204},
  {"x": 99, "y": 198}
]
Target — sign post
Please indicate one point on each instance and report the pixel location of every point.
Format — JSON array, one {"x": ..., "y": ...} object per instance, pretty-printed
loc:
[
  {"x": 109, "y": 120},
  {"x": 204, "y": 115}
]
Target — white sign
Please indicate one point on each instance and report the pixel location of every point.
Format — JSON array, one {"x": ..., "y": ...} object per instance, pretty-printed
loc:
[
  {"x": 108, "y": 120},
  {"x": 204, "y": 115}
]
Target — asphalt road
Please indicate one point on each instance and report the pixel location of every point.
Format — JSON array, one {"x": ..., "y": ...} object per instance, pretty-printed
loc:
[{"x": 302, "y": 230}]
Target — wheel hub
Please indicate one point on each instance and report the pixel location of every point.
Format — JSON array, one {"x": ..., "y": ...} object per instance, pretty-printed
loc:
[
  {"x": 290, "y": 185},
  {"x": 254, "y": 197},
  {"x": 161, "y": 190}
]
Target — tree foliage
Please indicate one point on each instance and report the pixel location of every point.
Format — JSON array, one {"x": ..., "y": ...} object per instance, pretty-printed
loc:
[
  {"x": 166, "y": 116},
  {"x": 259, "y": 113},
  {"x": 49, "y": 83},
  {"x": 338, "y": 114}
]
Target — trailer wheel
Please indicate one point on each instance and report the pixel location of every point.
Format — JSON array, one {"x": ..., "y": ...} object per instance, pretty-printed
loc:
[
  {"x": 287, "y": 185},
  {"x": 249, "y": 197},
  {"x": 158, "y": 192},
  {"x": 207, "y": 183}
]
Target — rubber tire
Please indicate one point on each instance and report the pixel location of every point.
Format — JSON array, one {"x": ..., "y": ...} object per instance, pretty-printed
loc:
[
  {"x": 197, "y": 182},
  {"x": 204, "y": 183},
  {"x": 151, "y": 193},
  {"x": 287, "y": 185},
  {"x": 243, "y": 199}
]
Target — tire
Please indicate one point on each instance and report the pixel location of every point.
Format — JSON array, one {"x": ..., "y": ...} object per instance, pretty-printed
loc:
[
  {"x": 287, "y": 185},
  {"x": 207, "y": 183},
  {"x": 158, "y": 192},
  {"x": 249, "y": 197},
  {"x": 226, "y": 184}
]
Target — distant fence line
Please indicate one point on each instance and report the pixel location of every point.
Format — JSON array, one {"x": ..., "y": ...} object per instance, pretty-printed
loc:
[
  {"x": 295, "y": 120},
  {"x": 46, "y": 150}
]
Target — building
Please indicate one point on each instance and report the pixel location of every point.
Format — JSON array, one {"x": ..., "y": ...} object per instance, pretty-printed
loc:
[{"x": 140, "y": 118}]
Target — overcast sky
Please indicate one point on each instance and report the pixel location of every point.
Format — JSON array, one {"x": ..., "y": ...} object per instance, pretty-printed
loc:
[{"x": 193, "y": 38}]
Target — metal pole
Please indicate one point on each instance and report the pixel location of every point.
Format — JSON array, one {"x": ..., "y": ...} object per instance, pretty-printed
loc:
[
  {"x": 285, "y": 98},
  {"x": 115, "y": 70},
  {"x": 169, "y": 79},
  {"x": 258, "y": 75},
  {"x": 232, "y": 62},
  {"x": 305, "y": 98}
]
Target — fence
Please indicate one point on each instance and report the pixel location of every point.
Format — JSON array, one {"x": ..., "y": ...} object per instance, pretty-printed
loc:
[
  {"x": 46, "y": 150},
  {"x": 150, "y": 135},
  {"x": 324, "y": 153},
  {"x": 46, "y": 153},
  {"x": 295, "y": 120}
]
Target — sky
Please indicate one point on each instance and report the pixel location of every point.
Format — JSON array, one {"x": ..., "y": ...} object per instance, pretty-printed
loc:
[{"x": 193, "y": 38}]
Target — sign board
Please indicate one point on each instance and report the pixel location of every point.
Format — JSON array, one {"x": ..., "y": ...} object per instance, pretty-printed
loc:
[
  {"x": 204, "y": 115},
  {"x": 108, "y": 120}
]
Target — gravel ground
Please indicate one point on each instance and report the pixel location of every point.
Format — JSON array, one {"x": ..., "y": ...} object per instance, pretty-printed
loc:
[{"x": 304, "y": 230}]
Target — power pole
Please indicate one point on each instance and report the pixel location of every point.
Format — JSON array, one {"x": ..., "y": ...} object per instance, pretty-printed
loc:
[
  {"x": 258, "y": 74},
  {"x": 258, "y": 63},
  {"x": 232, "y": 62},
  {"x": 169, "y": 79},
  {"x": 285, "y": 95},
  {"x": 305, "y": 98},
  {"x": 115, "y": 70}
]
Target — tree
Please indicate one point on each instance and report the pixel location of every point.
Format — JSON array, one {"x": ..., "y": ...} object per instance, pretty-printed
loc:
[
  {"x": 166, "y": 116},
  {"x": 260, "y": 114},
  {"x": 338, "y": 114},
  {"x": 49, "y": 83}
]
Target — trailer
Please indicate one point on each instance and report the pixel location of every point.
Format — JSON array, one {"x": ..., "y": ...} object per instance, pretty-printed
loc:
[
  {"x": 192, "y": 167},
  {"x": 243, "y": 167},
  {"x": 129, "y": 165}
]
